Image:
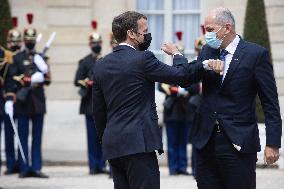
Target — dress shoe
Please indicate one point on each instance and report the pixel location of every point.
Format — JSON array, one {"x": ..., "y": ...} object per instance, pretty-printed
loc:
[
  {"x": 24, "y": 174},
  {"x": 38, "y": 174},
  {"x": 11, "y": 171},
  {"x": 184, "y": 173},
  {"x": 173, "y": 173},
  {"x": 93, "y": 172},
  {"x": 98, "y": 171},
  {"x": 102, "y": 171}
]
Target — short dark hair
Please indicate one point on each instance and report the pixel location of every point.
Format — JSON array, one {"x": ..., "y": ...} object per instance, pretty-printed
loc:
[{"x": 123, "y": 22}]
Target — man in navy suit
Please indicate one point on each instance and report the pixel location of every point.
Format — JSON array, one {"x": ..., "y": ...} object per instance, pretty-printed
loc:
[
  {"x": 225, "y": 131},
  {"x": 124, "y": 101}
]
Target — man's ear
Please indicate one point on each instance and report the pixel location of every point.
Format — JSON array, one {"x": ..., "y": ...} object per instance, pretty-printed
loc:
[
  {"x": 229, "y": 28},
  {"x": 130, "y": 34}
]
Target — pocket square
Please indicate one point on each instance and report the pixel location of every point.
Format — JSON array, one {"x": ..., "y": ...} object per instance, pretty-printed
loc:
[{"x": 237, "y": 147}]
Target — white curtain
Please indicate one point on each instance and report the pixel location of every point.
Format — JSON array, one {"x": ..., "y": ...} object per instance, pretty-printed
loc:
[
  {"x": 190, "y": 26},
  {"x": 149, "y": 4},
  {"x": 188, "y": 23},
  {"x": 186, "y": 4},
  {"x": 156, "y": 27},
  {"x": 155, "y": 23}
]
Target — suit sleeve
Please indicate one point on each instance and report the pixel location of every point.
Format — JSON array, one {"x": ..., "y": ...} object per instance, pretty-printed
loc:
[
  {"x": 181, "y": 73},
  {"x": 99, "y": 108},
  {"x": 267, "y": 92},
  {"x": 194, "y": 89}
]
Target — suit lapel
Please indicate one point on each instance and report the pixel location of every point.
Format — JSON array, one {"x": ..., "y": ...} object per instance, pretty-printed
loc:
[{"x": 235, "y": 61}]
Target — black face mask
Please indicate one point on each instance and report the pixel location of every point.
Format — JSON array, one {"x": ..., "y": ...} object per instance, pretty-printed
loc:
[
  {"x": 14, "y": 48},
  {"x": 96, "y": 49},
  {"x": 30, "y": 46},
  {"x": 146, "y": 44}
]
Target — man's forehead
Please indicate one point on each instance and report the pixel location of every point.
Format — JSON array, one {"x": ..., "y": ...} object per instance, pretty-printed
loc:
[
  {"x": 210, "y": 21},
  {"x": 142, "y": 23}
]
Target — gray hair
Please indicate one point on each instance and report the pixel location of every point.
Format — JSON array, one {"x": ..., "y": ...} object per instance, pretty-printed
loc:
[{"x": 223, "y": 16}]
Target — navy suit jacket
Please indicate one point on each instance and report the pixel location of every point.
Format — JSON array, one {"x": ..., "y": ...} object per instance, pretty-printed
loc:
[
  {"x": 233, "y": 103},
  {"x": 124, "y": 106}
]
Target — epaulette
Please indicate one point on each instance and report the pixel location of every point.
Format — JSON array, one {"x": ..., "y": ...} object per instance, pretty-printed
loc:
[{"x": 8, "y": 55}]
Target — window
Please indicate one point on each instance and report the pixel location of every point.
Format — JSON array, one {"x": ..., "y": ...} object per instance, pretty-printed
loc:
[{"x": 166, "y": 17}]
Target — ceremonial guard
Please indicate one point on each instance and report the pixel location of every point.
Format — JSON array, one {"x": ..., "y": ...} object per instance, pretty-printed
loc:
[
  {"x": 14, "y": 44},
  {"x": 14, "y": 38},
  {"x": 83, "y": 80},
  {"x": 32, "y": 74},
  {"x": 178, "y": 114},
  {"x": 7, "y": 89}
]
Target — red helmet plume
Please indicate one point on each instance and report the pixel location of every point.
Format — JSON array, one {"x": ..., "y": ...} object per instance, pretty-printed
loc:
[
  {"x": 15, "y": 22},
  {"x": 30, "y": 18},
  {"x": 179, "y": 35},
  {"x": 94, "y": 24}
]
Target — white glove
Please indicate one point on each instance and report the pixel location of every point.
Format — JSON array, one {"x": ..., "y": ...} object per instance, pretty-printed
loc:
[
  {"x": 37, "y": 77},
  {"x": 40, "y": 63},
  {"x": 9, "y": 109},
  {"x": 182, "y": 91}
]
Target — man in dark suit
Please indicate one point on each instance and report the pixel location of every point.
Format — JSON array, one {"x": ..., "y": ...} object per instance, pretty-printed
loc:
[
  {"x": 225, "y": 131},
  {"x": 124, "y": 101}
]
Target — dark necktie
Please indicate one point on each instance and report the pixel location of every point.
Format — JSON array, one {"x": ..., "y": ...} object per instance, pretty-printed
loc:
[{"x": 222, "y": 56}]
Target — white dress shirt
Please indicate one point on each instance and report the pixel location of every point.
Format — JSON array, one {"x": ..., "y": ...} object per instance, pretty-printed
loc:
[
  {"x": 231, "y": 48},
  {"x": 127, "y": 45}
]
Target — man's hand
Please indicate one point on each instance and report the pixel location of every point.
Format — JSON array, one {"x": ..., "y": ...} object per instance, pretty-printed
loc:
[
  {"x": 271, "y": 155},
  {"x": 90, "y": 83},
  {"x": 169, "y": 48},
  {"x": 216, "y": 65}
]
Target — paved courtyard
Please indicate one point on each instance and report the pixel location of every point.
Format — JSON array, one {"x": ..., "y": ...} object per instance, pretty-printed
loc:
[{"x": 71, "y": 177}]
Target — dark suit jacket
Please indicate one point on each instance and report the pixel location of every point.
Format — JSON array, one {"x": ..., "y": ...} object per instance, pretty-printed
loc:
[
  {"x": 124, "y": 98},
  {"x": 233, "y": 103}
]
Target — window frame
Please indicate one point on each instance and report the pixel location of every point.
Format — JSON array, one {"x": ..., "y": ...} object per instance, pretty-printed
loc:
[{"x": 168, "y": 13}]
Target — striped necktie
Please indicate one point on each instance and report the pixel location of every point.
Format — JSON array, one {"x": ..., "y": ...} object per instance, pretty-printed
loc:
[{"x": 222, "y": 56}]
